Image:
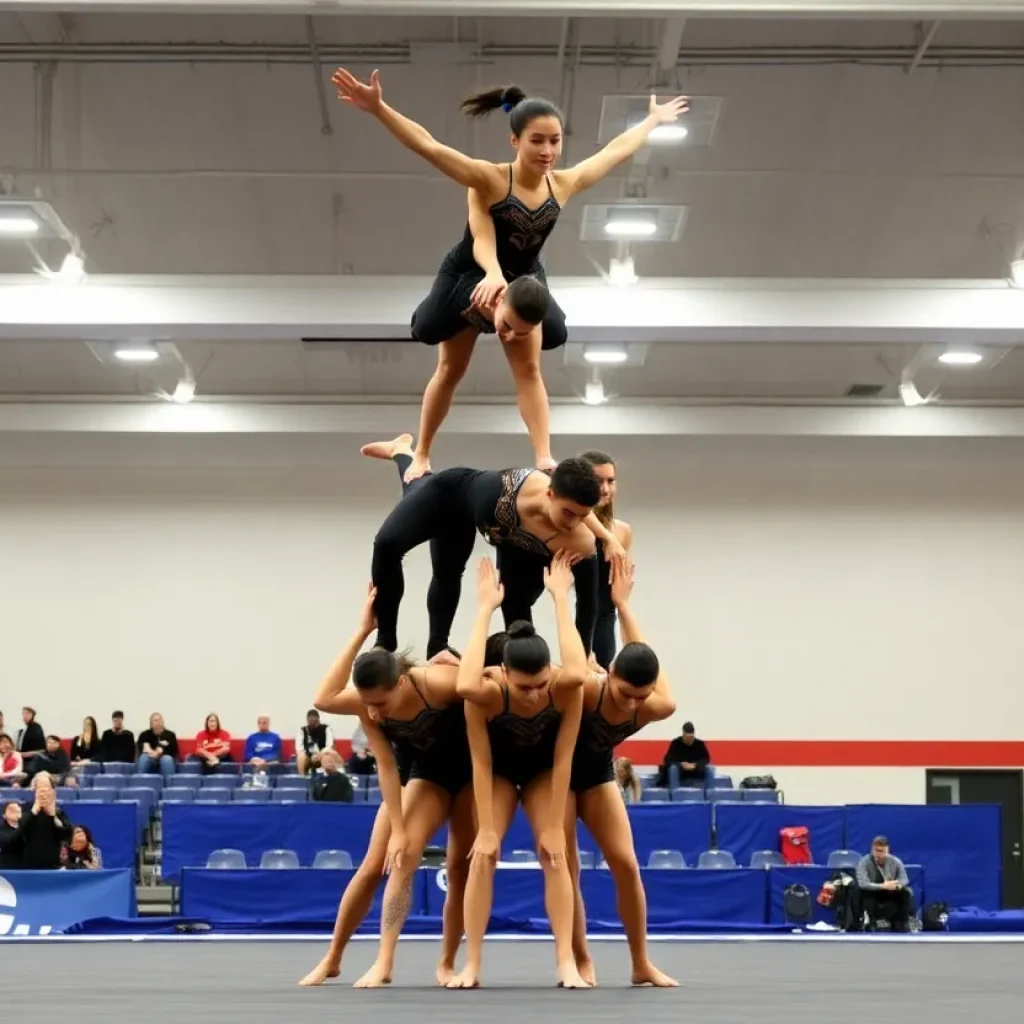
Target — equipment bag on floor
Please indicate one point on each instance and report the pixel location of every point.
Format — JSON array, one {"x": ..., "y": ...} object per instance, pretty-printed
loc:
[
  {"x": 795, "y": 845},
  {"x": 796, "y": 904}
]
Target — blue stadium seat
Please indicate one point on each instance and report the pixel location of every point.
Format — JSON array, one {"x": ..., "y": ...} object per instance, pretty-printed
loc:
[
  {"x": 370, "y": 781},
  {"x": 291, "y": 800},
  {"x": 293, "y": 782},
  {"x": 249, "y": 781},
  {"x": 99, "y": 796},
  {"x": 671, "y": 859},
  {"x": 189, "y": 768},
  {"x": 153, "y": 782},
  {"x": 119, "y": 768},
  {"x": 92, "y": 768},
  {"x": 843, "y": 859},
  {"x": 719, "y": 782},
  {"x": 725, "y": 796},
  {"x": 221, "y": 781},
  {"x": 688, "y": 795},
  {"x": 373, "y": 795},
  {"x": 109, "y": 782},
  {"x": 183, "y": 780},
  {"x": 66, "y": 794},
  {"x": 295, "y": 796},
  {"x": 141, "y": 795},
  {"x": 226, "y": 860},
  {"x": 655, "y": 796},
  {"x": 228, "y": 768},
  {"x": 760, "y": 796},
  {"x": 767, "y": 859},
  {"x": 588, "y": 859},
  {"x": 716, "y": 860},
  {"x": 177, "y": 796},
  {"x": 279, "y": 860},
  {"x": 23, "y": 796},
  {"x": 252, "y": 796},
  {"x": 359, "y": 796},
  {"x": 646, "y": 781},
  {"x": 333, "y": 860},
  {"x": 213, "y": 796},
  {"x": 523, "y": 857}
]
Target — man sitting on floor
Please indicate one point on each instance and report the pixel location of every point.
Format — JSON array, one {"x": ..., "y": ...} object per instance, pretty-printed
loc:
[{"x": 884, "y": 887}]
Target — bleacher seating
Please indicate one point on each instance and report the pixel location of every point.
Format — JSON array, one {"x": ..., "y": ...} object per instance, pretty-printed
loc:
[
  {"x": 765, "y": 859},
  {"x": 716, "y": 860},
  {"x": 333, "y": 860},
  {"x": 667, "y": 859}
]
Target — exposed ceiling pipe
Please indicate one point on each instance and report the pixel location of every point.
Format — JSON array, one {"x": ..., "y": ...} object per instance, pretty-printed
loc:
[
  {"x": 922, "y": 49},
  {"x": 318, "y": 78}
]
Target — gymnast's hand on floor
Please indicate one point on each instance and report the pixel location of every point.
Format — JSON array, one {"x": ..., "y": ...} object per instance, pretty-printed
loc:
[
  {"x": 489, "y": 591},
  {"x": 485, "y": 845},
  {"x": 488, "y": 293},
  {"x": 551, "y": 846},
  {"x": 361, "y": 95}
]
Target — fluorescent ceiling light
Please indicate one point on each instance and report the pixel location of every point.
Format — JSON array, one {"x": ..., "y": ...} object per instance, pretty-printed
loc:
[
  {"x": 606, "y": 354},
  {"x": 18, "y": 226},
  {"x": 630, "y": 227},
  {"x": 669, "y": 133},
  {"x": 1017, "y": 273},
  {"x": 960, "y": 358},
  {"x": 910, "y": 396},
  {"x": 137, "y": 354},
  {"x": 185, "y": 391},
  {"x": 622, "y": 273},
  {"x": 594, "y": 393}
]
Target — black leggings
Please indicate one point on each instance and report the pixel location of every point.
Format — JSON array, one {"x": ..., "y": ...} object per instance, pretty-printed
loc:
[
  {"x": 522, "y": 575},
  {"x": 604, "y": 634},
  {"x": 425, "y": 513}
]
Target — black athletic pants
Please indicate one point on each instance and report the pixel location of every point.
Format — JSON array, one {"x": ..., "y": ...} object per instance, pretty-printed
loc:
[{"x": 893, "y": 905}]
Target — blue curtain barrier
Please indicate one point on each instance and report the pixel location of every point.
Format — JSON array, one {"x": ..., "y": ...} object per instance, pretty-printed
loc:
[
  {"x": 814, "y": 878},
  {"x": 191, "y": 833},
  {"x": 115, "y": 830},
  {"x": 47, "y": 902}
]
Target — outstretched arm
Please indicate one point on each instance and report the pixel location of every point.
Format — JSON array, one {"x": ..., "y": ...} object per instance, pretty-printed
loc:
[
  {"x": 367, "y": 97},
  {"x": 330, "y": 697},
  {"x": 471, "y": 684},
  {"x": 558, "y": 578},
  {"x": 590, "y": 171}
]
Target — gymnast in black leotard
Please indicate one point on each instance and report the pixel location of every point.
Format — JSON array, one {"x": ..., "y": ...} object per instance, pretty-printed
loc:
[
  {"x": 522, "y": 730},
  {"x": 521, "y": 201},
  {"x": 525, "y": 514},
  {"x": 634, "y": 693},
  {"x": 604, "y": 626}
]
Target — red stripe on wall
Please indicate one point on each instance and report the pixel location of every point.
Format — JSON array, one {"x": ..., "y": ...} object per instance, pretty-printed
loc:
[{"x": 845, "y": 753}]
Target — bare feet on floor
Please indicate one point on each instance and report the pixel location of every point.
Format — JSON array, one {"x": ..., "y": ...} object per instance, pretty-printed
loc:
[
  {"x": 376, "y": 977},
  {"x": 445, "y": 972},
  {"x": 648, "y": 974},
  {"x": 469, "y": 977},
  {"x": 569, "y": 976},
  {"x": 401, "y": 445},
  {"x": 323, "y": 970},
  {"x": 587, "y": 971}
]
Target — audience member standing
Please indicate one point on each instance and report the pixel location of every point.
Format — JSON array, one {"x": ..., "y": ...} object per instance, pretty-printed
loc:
[
  {"x": 313, "y": 739},
  {"x": 263, "y": 747},
  {"x": 213, "y": 745},
  {"x": 118, "y": 743},
  {"x": 85, "y": 747},
  {"x": 44, "y": 829},
  {"x": 157, "y": 749},
  {"x": 82, "y": 853},
  {"x": 31, "y": 739},
  {"x": 11, "y": 839},
  {"x": 689, "y": 754}
]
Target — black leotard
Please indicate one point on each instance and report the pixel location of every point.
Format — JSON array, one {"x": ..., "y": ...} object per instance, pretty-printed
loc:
[
  {"x": 523, "y": 748},
  {"x": 604, "y": 627},
  {"x": 446, "y": 508},
  {"x": 433, "y": 744},
  {"x": 592, "y": 759},
  {"x": 520, "y": 234}
]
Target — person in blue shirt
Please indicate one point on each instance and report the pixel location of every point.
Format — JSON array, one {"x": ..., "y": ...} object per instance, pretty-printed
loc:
[{"x": 263, "y": 747}]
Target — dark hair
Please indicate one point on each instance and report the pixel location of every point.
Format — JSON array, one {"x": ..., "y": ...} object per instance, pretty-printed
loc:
[
  {"x": 10, "y": 803},
  {"x": 522, "y": 109},
  {"x": 379, "y": 668},
  {"x": 206, "y": 721},
  {"x": 494, "y": 651},
  {"x": 880, "y": 841},
  {"x": 120, "y": 714},
  {"x": 636, "y": 664},
  {"x": 528, "y": 298},
  {"x": 688, "y": 727},
  {"x": 525, "y": 651},
  {"x": 4, "y": 736},
  {"x": 575, "y": 480},
  {"x": 312, "y": 713},
  {"x": 31, "y": 711},
  {"x": 606, "y": 513},
  {"x": 85, "y": 830},
  {"x": 53, "y": 736},
  {"x": 93, "y": 726}
]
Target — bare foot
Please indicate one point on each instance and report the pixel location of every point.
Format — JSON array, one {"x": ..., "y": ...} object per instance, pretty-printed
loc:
[
  {"x": 376, "y": 977},
  {"x": 648, "y": 974},
  {"x": 323, "y": 970},
  {"x": 546, "y": 464},
  {"x": 468, "y": 978},
  {"x": 420, "y": 467},
  {"x": 445, "y": 972},
  {"x": 569, "y": 976},
  {"x": 401, "y": 445},
  {"x": 587, "y": 971}
]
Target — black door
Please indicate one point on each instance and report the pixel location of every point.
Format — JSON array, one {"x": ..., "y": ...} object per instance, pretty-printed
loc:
[{"x": 1006, "y": 788}]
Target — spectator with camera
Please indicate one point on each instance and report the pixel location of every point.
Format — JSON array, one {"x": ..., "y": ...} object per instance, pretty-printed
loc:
[{"x": 330, "y": 783}]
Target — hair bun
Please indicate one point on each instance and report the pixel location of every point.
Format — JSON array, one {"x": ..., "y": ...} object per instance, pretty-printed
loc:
[
  {"x": 511, "y": 95},
  {"x": 519, "y": 629}
]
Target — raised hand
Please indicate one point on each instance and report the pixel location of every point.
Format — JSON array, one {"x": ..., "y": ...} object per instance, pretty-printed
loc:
[
  {"x": 364, "y": 96},
  {"x": 623, "y": 573},
  {"x": 663, "y": 113},
  {"x": 558, "y": 576},
  {"x": 368, "y": 622},
  {"x": 489, "y": 591}
]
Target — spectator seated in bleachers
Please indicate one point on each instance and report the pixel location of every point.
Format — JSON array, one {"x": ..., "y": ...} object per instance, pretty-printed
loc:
[
  {"x": 10, "y": 837},
  {"x": 12, "y": 768},
  {"x": 157, "y": 749},
  {"x": 361, "y": 761},
  {"x": 213, "y": 745},
  {"x": 627, "y": 781},
  {"x": 54, "y": 760},
  {"x": 44, "y": 829},
  {"x": 31, "y": 740},
  {"x": 81, "y": 853},
  {"x": 85, "y": 747},
  {"x": 117, "y": 745},
  {"x": 263, "y": 747},
  {"x": 884, "y": 887},
  {"x": 689, "y": 754},
  {"x": 330, "y": 783},
  {"x": 313, "y": 738}
]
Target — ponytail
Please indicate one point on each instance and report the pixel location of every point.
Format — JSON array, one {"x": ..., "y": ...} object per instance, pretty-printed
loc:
[{"x": 514, "y": 101}]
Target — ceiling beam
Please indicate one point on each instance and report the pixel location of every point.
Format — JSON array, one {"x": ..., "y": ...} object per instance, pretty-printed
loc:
[{"x": 657, "y": 310}]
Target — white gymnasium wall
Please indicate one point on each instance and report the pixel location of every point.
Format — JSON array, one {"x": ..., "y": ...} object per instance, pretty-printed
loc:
[{"x": 814, "y": 589}]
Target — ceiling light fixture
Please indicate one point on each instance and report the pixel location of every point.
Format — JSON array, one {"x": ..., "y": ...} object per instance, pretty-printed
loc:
[
  {"x": 910, "y": 396},
  {"x": 669, "y": 133},
  {"x": 1017, "y": 273},
  {"x": 594, "y": 393},
  {"x": 137, "y": 354},
  {"x": 605, "y": 355},
  {"x": 630, "y": 227},
  {"x": 958, "y": 357},
  {"x": 185, "y": 391},
  {"x": 18, "y": 226},
  {"x": 622, "y": 272}
]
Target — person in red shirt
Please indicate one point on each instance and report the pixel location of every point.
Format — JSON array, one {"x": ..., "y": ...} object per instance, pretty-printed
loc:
[{"x": 213, "y": 745}]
